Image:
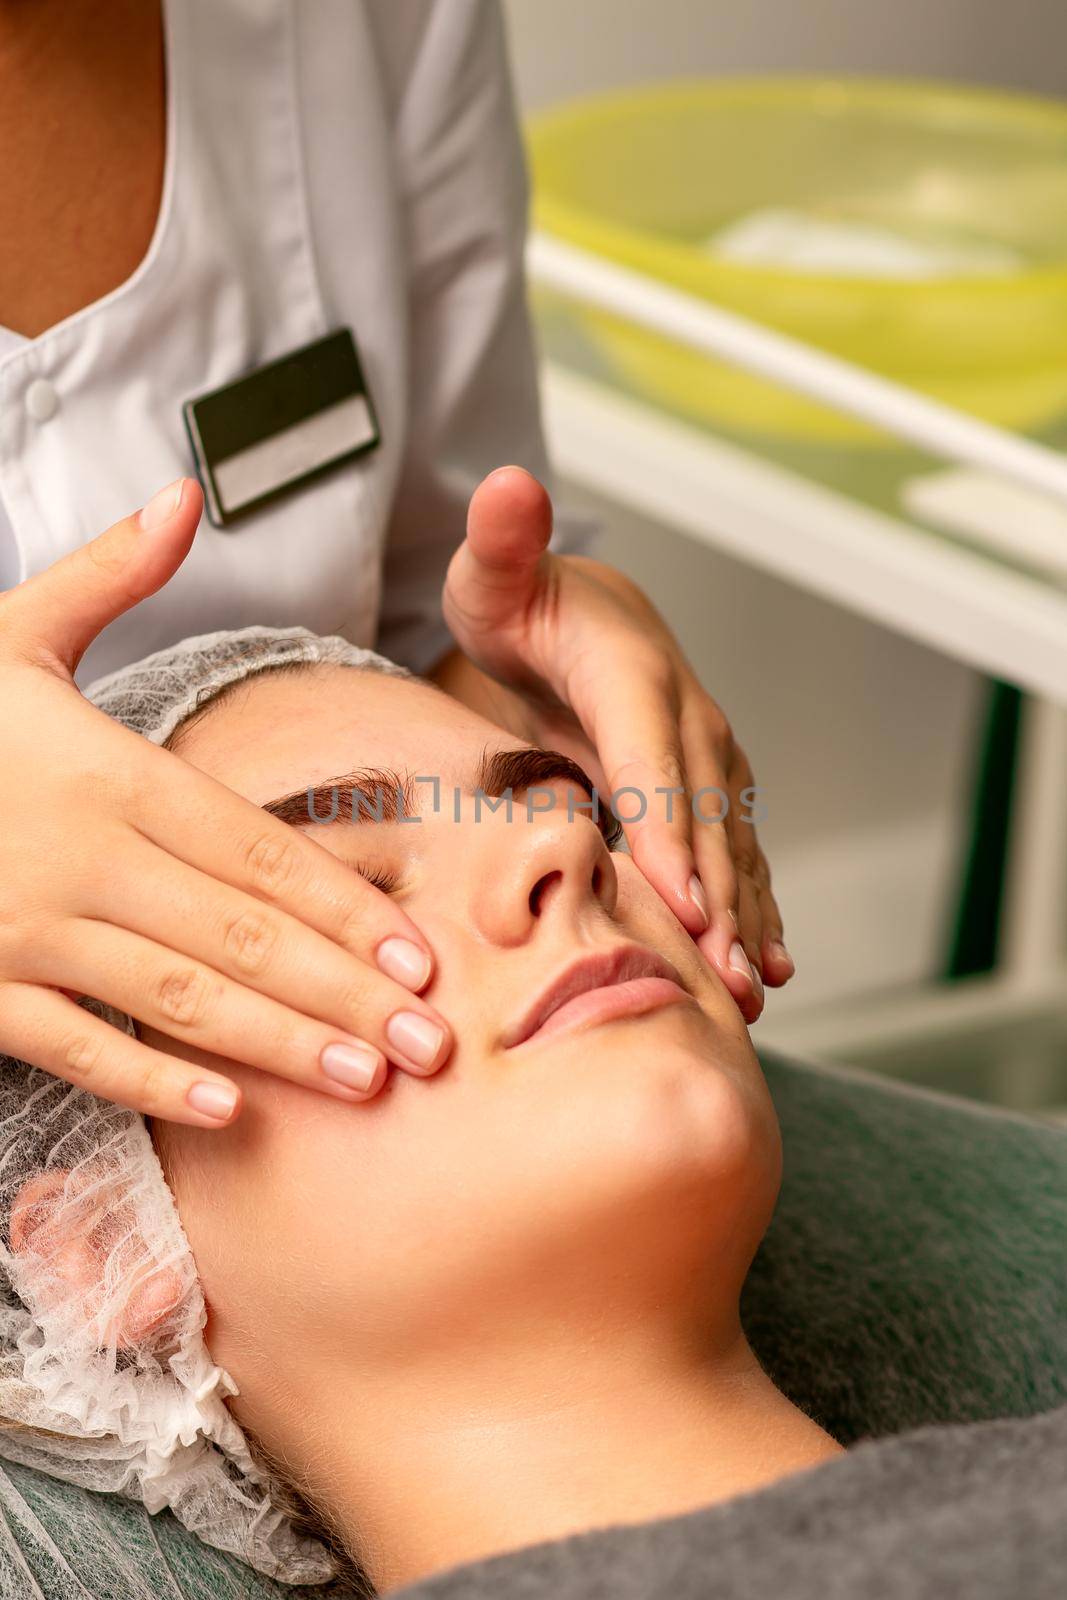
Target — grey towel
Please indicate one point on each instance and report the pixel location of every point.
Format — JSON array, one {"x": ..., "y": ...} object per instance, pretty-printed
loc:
[
  {"x": 937, "y": 1294},
  {"x": 977, "y": 1512}
]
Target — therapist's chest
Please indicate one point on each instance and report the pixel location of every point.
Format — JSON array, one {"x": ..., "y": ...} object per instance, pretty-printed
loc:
[
  {"x": 82, "y": 147},
  {"x": 249, "y": 220}
]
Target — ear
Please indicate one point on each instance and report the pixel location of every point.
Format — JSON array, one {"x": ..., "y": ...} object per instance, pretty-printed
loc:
[
  {"x": 33, "y": 1212},
  {"x": 66, "y": 1241}
]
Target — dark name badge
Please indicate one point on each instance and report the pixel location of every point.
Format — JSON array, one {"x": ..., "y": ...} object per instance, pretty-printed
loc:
[{"x": 281, "y": 426}]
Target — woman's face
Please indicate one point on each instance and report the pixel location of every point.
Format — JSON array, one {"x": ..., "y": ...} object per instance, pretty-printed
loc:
[{"x": 602, "y": 1167}]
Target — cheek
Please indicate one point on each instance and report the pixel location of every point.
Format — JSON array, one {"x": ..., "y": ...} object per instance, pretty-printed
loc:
[
  {"x": 640, "y": 1154},
  {"x": 639, "y": 906},
  {"x": 647, "y": 919},
  {"x": 288, "y": 1214}
]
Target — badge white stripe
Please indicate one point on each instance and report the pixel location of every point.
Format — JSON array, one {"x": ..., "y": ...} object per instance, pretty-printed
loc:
[{"x": 274, "y": 462}]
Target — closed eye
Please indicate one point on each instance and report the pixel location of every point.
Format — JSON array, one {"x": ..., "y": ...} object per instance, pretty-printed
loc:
[
  {"x": 532, "y": 767},
  {"x": 388, "y": 882}
]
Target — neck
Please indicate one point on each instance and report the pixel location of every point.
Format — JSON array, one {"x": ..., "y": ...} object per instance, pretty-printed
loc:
[{"x": 455, "y": 1464}]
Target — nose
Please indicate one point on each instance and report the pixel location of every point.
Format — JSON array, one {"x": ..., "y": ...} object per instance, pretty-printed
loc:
[{"x": 551, "y": 866}]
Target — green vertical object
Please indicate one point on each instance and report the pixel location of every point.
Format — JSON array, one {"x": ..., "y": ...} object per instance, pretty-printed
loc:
[{"x": 975, "y": 936}]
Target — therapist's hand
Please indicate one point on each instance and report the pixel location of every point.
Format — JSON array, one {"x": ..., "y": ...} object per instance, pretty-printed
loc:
[
  {"x": 127, "y": 875},
  {"x": 604, "y": 680}
]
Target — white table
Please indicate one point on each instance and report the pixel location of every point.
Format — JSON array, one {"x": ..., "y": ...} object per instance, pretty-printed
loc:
[{"x": 961, "y": 602}]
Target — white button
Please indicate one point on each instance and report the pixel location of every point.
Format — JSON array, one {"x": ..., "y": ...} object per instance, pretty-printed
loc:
[{"x": 42, "y": 401}]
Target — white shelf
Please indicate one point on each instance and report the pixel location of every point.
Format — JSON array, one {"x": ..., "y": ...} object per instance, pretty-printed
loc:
[
  {"x": 692, "y": 322},
  {"x": 958, "y": 601},
  {"x": 981, "y": 1029}
]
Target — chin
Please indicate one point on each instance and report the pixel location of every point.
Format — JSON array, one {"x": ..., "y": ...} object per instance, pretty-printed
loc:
[
  {"x": 672, "y": 1137},
  {"x": 683, "y": 1107}
]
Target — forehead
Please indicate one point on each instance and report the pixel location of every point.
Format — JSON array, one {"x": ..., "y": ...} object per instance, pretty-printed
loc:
[{"x": 281, "y": 731}]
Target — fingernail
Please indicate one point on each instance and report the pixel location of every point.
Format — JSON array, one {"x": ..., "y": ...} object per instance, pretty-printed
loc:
[
  {"x": 739, "y": 962},
  {"x": 780, "y": 953},
  {"x": 757, "y": 984},
  {"x": 162, "y": 506},
  {"x": 699, "y": 898},
  {"x": 214, "y": 1100},
  {"x": 415, "y": 1037},
  {"x": 404, "y": 962},
  {"x": 354, "y": 1065}
]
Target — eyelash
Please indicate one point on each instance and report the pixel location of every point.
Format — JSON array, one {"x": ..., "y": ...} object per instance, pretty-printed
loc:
[
  {"x": 611, "y": 830},
  {"x": 387, "y": 882}
]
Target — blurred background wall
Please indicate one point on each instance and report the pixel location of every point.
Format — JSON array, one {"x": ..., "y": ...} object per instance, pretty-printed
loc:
[
  {"x": 563, "y": 48},
  {"x": 861, "y": 741}
]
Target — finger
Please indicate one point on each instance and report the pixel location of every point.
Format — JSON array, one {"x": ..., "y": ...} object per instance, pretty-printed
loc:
[
  {"x": 760, "y": 921},
  {"x": 187, "y": 1000},
  {"x": 44, "y": 1027},
  {"x": 722, "y": 945},
  {"x": 723, "y": 942},
  {"x": 54, "y": 616},
  {"x": 200, "y": 821},
  {"x": 638, "y": 743},
  {"x": 743, "y": 849},
  {"x": 269, "y": 952},
  {"x": 749, "y": 929},
  {"x": 496, "y": 570},
  {"x": 778, "y": 964}
]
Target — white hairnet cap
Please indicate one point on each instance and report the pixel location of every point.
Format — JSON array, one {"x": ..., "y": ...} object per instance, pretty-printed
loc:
[{"x": 105, "y": 1378}]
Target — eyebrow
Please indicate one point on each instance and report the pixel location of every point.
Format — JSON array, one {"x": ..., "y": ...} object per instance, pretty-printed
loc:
[{"x": 381, "y": 794}]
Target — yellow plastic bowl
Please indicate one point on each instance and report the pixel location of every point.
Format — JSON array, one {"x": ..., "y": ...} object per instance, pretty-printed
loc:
[{"x": 646, "y": 178}]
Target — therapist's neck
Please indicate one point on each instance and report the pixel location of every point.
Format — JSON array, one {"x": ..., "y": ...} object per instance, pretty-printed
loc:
[{"x": 464, "y": 1458}]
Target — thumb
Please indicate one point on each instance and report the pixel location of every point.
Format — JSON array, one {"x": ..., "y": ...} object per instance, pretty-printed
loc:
[
  {"x": 56, "y": 615},
  {"x": 497, "y": 569}
]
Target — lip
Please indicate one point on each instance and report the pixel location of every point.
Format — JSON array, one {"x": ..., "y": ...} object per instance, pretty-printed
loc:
[{"x": 624, "y": 981}]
